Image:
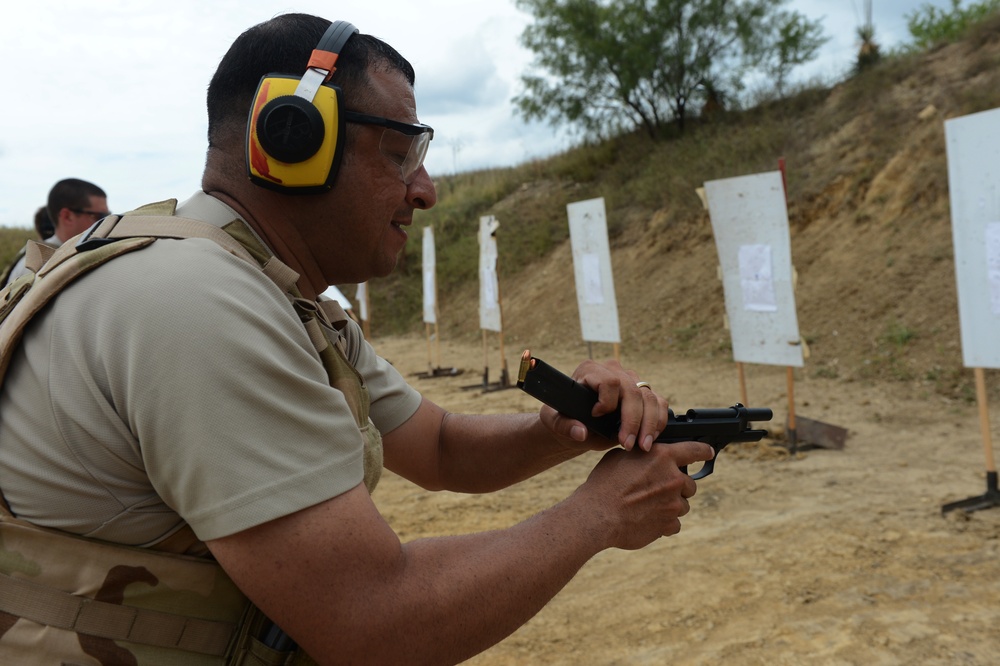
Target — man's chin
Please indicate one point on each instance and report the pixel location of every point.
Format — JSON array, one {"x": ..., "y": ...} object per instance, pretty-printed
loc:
[{"x": 393, "y": 264}]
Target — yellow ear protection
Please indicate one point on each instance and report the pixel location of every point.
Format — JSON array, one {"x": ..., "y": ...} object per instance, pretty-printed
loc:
[{"x": 295, "y": 130}]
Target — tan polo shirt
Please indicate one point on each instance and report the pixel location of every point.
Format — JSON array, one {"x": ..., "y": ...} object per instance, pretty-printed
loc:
[{"x": 176, "y": 385}]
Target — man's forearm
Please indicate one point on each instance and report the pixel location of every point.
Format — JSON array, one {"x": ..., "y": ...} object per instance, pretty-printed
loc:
[
  {"x": 473, "y": 453},
  {"x": 489, "y": 584},
  {"x": 336, "y": 578},
  {"x": 483, "y": 453}
]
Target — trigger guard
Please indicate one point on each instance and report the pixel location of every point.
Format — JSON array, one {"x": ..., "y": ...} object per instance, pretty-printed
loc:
[{"x": 708, "y": 468}]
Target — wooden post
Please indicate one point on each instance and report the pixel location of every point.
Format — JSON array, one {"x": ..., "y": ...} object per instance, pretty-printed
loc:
[
  {"x": 984, "y": 419},
  {"x": 743, "y": 384},
  {"x": 486, "y": 361},
  {"x": 430, "y": 360},
  {"x": 437, "y": 344},
  {"x": 504, "y": 376},
  {"x": 792, "y": 435},
  {"x": 437, "y": 331}
]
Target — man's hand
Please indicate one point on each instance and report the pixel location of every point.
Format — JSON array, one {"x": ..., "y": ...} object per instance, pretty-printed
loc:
[
  {"x": 643, "y": 412},
  {"x": 644, "y": 494}
]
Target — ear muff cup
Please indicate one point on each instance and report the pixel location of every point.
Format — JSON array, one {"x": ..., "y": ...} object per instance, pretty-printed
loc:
[
  {"x": 295, "y": 130},
  {"x": 290, "y": 129}
]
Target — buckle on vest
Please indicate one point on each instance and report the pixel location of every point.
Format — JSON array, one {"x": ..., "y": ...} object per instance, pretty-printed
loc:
[{"x": 86, "y": 243}]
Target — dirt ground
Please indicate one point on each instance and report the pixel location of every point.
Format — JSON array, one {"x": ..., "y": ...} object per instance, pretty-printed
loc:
[
  {"x": 837, "y": 558},
  {"x": 826, "y": 557}
]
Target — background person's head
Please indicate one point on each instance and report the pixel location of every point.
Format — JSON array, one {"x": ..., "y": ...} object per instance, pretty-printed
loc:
[
  {"x": 43, "y": 223},
  {"x": 74, "y": 205}
]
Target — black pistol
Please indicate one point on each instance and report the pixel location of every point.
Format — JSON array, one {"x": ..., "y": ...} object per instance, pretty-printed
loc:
[{"x": 716, "y": 427}]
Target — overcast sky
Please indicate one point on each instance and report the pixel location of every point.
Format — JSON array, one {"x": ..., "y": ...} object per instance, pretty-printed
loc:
[{"x": 112, "y": 91}]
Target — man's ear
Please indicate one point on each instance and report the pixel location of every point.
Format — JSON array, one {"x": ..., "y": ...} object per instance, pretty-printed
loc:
[{"x": 64, "y": 217}]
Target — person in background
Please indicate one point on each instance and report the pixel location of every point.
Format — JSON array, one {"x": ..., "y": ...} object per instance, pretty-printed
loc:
[
  {"x": 73, "y": 207},
  {"x": 43, "y": 224}
]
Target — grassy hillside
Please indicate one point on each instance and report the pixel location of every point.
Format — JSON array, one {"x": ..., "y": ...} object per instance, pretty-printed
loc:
[
  {"x": 868, "y": 207},
  {"x": 12, "y": 240}
]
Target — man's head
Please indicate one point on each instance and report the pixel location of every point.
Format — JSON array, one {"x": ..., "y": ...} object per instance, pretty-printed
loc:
[
  {"x": 284, "y": 45},
  {"x": 74, "y": 205},
  {"x": 354, "y": 231}
]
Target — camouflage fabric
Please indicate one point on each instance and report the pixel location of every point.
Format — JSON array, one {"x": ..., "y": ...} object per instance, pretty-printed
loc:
[
  {"x": 81, "y": 602},
  {"x": 146, "y": 602}
]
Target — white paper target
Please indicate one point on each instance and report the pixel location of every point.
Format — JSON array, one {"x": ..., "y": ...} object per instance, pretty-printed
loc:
[
  {"x": 429, "y": 266},
  {"x": 595, "y": 284},
  {"x": 750, "y": 223},
  {"x": 973, "y": 145},
  {"x": 490, "y": 318}
]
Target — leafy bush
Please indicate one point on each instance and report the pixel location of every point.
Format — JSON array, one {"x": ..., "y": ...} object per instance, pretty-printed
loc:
[{"x": 932, "y": 25}]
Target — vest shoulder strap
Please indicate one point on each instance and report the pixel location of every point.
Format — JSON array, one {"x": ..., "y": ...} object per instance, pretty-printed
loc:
[
  {"x": 51, "y": 270},
  {"x": 34, "y": 253}
]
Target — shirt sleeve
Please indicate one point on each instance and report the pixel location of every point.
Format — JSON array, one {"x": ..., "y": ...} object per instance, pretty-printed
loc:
[
  {"x": 393, "y": 399},
  {"x": 219, "y": 385}
]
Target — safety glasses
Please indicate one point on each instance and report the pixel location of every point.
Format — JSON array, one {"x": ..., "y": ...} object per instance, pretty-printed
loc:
[
  {"x": 404, "y": 144},
  {"x": 96, "y": 214}
]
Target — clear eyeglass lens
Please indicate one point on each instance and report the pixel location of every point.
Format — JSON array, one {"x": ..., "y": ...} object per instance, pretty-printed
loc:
[{"x": 406, "y": 151}]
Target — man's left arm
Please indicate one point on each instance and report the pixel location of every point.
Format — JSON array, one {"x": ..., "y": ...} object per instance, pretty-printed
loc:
[{"x": 439, "y": 450}]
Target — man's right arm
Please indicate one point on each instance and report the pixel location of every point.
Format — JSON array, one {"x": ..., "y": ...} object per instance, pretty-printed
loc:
[{"x": 337, "y": 579}]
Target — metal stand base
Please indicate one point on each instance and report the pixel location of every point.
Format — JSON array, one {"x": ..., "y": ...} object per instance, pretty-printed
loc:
[
  {"x": 438, "y": 372},
  {"x": 487, "y": 387},
  {"x": 986, "y": 501}
]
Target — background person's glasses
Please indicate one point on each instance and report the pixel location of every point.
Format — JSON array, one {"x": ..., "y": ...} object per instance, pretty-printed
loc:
[
  {"x": 96, "y": 214},
  {"x": 404, "y": 144}
]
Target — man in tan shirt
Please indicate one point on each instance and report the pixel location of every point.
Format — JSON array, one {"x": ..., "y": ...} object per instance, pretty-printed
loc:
[
  {"x": 180, "y": 389},
  {"x": 73, "y": 206}
]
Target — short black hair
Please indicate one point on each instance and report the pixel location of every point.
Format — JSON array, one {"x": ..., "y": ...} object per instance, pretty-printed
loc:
[
  {"x": 71, "y": 193},
  {"x": 283, "y": 45},
  {"x": 43, "y": 223}
]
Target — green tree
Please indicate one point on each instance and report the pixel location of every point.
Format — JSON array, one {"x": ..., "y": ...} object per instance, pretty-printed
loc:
[
  {"x": 613, "y": 65},
  {"x": 784, "y": 41},
  {"x": 930, "y": 25}
]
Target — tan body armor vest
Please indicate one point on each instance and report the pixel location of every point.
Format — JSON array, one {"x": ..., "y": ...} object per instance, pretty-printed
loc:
[{"x": 73, "y": 601}]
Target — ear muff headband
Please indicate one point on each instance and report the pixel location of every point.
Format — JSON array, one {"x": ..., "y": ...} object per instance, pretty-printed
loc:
[
  {"x": 294, "y": 132},
  {"x": 325, "y": 55}
]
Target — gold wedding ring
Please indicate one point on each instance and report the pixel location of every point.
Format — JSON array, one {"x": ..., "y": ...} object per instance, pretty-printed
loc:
[{"x": 644, "y": 385}]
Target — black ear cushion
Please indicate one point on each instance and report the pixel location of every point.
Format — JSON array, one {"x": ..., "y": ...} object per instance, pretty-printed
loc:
[{"x": 290, "y": 129}]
